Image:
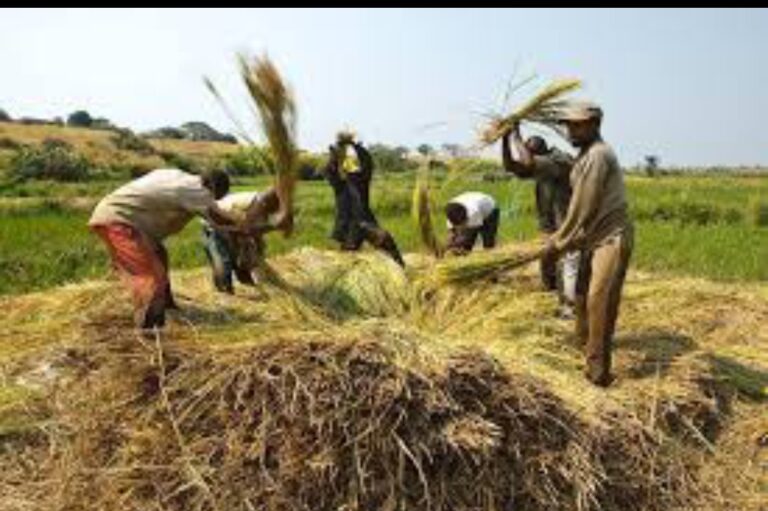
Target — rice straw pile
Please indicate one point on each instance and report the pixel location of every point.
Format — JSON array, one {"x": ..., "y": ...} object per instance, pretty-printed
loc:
[
  {"x": 360, "y": 397},
  {"x": 543, "y": 108},
  {"x": 335, "y": 424}
]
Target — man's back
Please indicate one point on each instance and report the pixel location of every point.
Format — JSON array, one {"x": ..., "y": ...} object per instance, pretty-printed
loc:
[
  {"x": 478, "y": 206},
  {"x": 159, "y": 203}
]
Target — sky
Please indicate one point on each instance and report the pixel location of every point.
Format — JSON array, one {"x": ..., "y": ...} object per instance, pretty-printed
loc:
[{"x": 688, "y": 85}]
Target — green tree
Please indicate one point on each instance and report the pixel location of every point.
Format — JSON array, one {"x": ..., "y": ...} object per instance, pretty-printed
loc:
[
  {"x": 389, "y": 159},
  {"x": 652, "y": 165},
  {"x": 80, "y": 118}
]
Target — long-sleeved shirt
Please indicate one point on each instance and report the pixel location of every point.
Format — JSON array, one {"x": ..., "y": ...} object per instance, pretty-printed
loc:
[
  {"x": 351, "y": 193},
  {"x": 553, "y": 188},
  {"x": 551, "y": 171},
  {"x": 598, "y": 207}
]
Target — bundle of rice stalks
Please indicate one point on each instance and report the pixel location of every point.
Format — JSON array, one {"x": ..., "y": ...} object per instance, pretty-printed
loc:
[
  {"x": 353, "y": 285},
  {"x": 277, "y": 115},
  {"x": 422, "y": 213},
  {"x": 543, "y": 108},
  {"x": 483, "y": 265}
]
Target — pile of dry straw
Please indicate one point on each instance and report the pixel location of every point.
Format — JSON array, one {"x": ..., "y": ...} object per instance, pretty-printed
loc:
[
  {"x": 334, "y": 424},
  {"x": 326, "y": 393}
]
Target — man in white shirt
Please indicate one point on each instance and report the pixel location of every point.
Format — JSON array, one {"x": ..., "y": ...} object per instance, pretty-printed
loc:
[
  {"x": 232, "y": 253},
  {"x": 469, "y": 215},
  {"x": 134, "y": 220}
]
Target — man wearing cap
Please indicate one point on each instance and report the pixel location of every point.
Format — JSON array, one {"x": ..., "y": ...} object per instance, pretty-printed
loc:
[
  {"x": 597, "y": 222},
  {"x": 550, "y": 168},
  {"x": 349, "y": 172},
  {"x": 134, "y": 220},
  {"x": 470, "y": 215}
]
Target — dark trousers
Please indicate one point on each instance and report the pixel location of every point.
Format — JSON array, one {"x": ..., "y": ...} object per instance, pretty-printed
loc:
[
  {"x": 227, "y": 256},
  {"x": 548, "y": 271},
  {"x": 220, "y": 257},
  {"x": 598, "y": 295},
  {"x": 379, "y": 238}
]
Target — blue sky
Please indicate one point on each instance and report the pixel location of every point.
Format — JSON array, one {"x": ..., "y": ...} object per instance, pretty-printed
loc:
[{"x": 689, "y": 85}]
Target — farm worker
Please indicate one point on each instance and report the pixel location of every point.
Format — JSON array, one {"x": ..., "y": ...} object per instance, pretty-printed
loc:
[
  {"x": 349, "y": 172},
  {"x": 134, "y": 220},
  {"x": 469, "y": 215},
  {"x": 550, "y": 168},
  {"x": 232, "y": 252},
  {"x": 598, "y": 224}
]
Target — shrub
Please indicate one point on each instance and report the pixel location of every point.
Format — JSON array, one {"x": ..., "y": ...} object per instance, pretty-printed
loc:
[
  {"x": 178, "y": 161},
  {"x": 33, "y": 121},
  {"x": 249, "y": 161},
  {"x": 50, "y": 161},
  {"x": 475, "y": 166},
  {"x": 167, "y": 132},
  {"x": 4, "y": 117},
  {"x": 127, "y": 140},
  {"x": 51, "y": 143},
  {"x": 437, "y": 164},
  {"x": 493, "y": 177},
  {"x": 197, "y": 130},
  {"x": 100, "y": 123},
  {"x": 80, "y": 118},
  {"x": 9, "y": 143},
  {"x": 309, "y": 167},
  {"x": 758, "y": 212},
  {"x": 390, "y": 159}
]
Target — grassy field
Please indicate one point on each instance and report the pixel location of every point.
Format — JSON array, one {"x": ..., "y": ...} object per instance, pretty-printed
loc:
[{"x": 715, "y": 227}]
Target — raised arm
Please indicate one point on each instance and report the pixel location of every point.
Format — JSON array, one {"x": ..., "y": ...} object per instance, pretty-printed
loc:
[
  {"x": 263, "y": 215},
  {"x": 331, "y": 169},
  {"x": 523, "y": 168},
  {"x": 221, "y": 219},
  {"x": 365, "y": 159}
]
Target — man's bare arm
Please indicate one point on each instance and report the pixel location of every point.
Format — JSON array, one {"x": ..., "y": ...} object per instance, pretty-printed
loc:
[
  {"x": 222, "y": 220},
  {"x": 522, "y": 168}
]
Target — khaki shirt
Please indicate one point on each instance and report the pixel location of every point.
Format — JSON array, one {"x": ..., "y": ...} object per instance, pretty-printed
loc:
[
  {"x": 598, "y": 207},
  {"x": 158, "y": 204}
]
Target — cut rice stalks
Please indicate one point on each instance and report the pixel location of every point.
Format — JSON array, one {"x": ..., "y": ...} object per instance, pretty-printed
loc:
[
  {"x": 543, "y": 108},
  {"x": 484, "y": 265},
  {"x": 422, "y": 213},
  {"x": 277, "y": 115}
]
